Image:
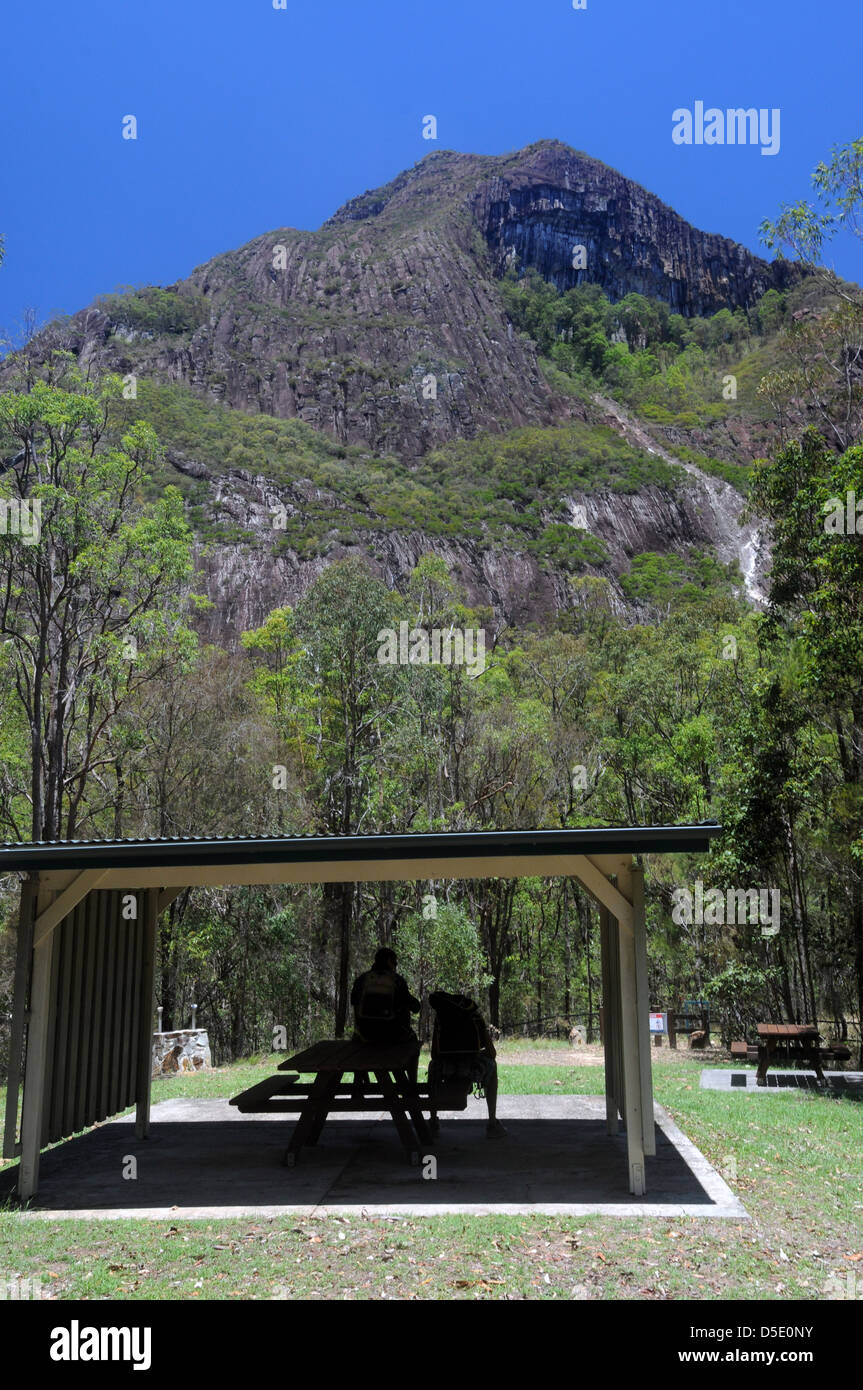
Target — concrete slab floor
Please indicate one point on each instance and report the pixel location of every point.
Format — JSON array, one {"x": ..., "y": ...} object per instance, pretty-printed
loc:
[
  {"x": 836, "y": 1083},
  {"x": 205, "y": 1160}
]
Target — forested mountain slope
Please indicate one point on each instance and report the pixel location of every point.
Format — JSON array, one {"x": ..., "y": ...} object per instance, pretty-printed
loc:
[{"x": 431, "y": 371}]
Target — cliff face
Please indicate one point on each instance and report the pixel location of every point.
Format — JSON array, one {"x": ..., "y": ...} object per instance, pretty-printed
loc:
[
  {"x": 247, "y": 580},
  {"x": 558, "y": 200},
  {"x": 346, "y": 327}
]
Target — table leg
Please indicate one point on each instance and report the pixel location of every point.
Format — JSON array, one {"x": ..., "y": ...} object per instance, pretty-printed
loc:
[
  {"x": 322, "y": 1111},
  {"x": 395, "y": 1105},
  {"x": 763, "y": 1064},
  {"x": 408, "y": 1091},
  {"x": 313, "y": 1113}
]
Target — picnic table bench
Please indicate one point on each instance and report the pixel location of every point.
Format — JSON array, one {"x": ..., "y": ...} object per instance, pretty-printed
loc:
[
  {"x": 748, "y": 1052},
  {"x": 800, "y": 1040},
  {"x": 330, "y": 1062}
]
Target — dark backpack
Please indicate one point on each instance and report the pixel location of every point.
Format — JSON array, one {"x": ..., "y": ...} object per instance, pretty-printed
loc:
[
  {"x": 377, "y": 1001},
  {"x": 459, "y": 1025}
]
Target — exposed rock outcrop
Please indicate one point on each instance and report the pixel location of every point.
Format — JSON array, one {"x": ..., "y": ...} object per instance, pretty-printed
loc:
[
  {"x": 245, "y": 581},
  {"x": 386, "y": 328},
  {"x": 556, "y": 200}
]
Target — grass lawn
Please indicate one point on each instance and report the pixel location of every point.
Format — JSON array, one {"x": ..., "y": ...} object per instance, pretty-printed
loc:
[{"x": 795, "y": 1158}]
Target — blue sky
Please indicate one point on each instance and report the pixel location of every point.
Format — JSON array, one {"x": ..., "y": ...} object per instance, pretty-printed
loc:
[{"x": 251, "y": 118}]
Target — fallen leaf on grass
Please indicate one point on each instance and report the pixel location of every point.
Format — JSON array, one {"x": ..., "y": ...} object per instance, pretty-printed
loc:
[{"x": 477, "y": 1283}]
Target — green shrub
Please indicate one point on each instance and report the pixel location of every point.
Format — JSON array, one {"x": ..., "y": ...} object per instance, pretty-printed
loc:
[{"x": 154, "y": 310}]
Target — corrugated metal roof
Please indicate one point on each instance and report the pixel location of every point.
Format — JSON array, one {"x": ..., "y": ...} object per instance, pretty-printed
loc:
[{"x": 270, "y": 849}]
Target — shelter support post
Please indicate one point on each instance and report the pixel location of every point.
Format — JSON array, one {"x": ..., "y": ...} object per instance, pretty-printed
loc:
[
  {"x": 609, "y": 1031},
  {"x": 619, "y": 887},
  {"x": 37, "y": 1057},
  {"x": 639, "y": 924},
  {"x": 620, "y": 1074},
  {"x": 16, "y": 1042},
  {"x": 632, "y": 1074},
  {"x": 144, "y": 1074}
]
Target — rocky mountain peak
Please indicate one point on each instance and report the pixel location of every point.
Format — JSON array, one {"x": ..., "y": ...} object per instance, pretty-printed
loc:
[{"x": 386, "y": 328}]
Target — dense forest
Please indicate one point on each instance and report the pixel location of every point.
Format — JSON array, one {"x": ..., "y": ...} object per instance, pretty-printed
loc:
[{"x": 118, "y": 719}]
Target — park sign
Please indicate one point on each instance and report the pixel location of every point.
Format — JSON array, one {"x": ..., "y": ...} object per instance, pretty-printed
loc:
[{"x": 658, "y": 1023}]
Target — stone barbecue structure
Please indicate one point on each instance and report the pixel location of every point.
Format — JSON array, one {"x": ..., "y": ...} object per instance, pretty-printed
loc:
[{"x": 185, "y": 1049}]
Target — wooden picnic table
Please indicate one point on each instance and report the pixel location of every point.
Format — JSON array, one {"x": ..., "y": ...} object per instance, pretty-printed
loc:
[
  {"x": 802, "y": 1040},
  {"x": 330, "y": 1062}
]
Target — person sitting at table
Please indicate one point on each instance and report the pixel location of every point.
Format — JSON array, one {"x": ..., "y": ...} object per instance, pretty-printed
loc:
[
  {"x": 463, "y": 1050},
  {"x": 383, "y": 1004}
]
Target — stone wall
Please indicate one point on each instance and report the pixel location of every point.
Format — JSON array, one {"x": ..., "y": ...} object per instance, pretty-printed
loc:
[{"x": 186, "y": 1049}]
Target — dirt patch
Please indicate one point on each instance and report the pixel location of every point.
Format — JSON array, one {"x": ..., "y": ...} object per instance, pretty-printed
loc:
[
  {"x": 552, "y": 1057},
  {"x": 523, "y": 1055}
]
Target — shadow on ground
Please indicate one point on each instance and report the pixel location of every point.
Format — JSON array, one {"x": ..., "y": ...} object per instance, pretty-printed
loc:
[
  {"x": 847, "y": 1085},
  {"x": 205, "y": 1159}
]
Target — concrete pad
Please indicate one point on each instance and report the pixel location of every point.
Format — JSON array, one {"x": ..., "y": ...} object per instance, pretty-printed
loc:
[
  {"x": 206, "y": 1160},
  {"x": 838, "y": 1083}
]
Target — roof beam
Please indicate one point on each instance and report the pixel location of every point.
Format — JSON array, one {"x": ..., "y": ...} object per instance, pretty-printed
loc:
[
  {"x": 605, "y": 892},
  {"x": 593, "y": 873},
  {"x": 65, "y": 902},
  {"x": 169, "y": 877},
  {"x": 166, "y": 897}
]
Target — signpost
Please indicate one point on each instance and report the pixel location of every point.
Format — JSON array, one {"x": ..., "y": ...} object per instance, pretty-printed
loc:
[{"x": 658, "y": 1026}]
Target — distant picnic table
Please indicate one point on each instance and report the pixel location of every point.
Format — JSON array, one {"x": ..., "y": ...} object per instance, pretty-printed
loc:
[
  {"x": 800, "y": 1040},
  {"x": 330, "y": 1062}
]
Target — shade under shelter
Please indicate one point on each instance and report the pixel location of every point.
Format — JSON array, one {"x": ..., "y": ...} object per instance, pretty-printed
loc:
[{"x": 82, "y": 1023}]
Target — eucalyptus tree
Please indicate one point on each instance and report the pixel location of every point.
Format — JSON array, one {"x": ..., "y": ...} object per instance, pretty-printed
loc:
[
  {"x": 820, "y": 375},
  {"x": 809, "y": 495},
  {"x": 93, "y": 585},
  {"x": 333, "y": 703}
]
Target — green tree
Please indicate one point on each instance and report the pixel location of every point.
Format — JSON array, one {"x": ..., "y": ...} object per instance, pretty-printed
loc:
[
  {"x": 92, "y": 600},
  {"x": 332, "y": 699},
  {"x": 816, "y": 611},
  {"x": 806, "y": 228},
  {"x": 441, "y": 949}
]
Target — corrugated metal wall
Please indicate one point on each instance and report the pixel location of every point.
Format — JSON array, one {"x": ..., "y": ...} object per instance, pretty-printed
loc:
[{"x": 94, "y": 1013}]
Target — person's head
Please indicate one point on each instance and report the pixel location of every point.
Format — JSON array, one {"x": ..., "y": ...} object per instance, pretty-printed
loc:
[{"x": 385, "y": 960}]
